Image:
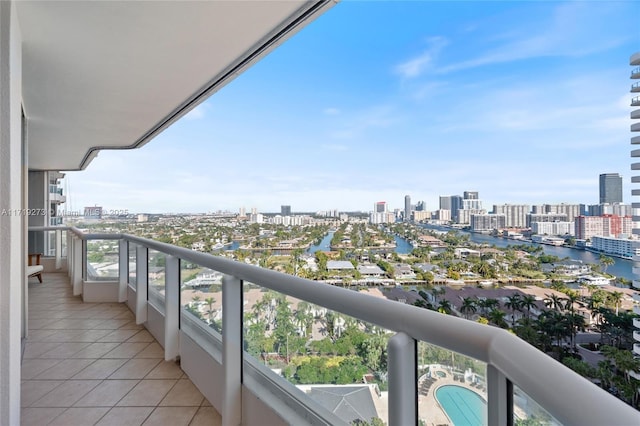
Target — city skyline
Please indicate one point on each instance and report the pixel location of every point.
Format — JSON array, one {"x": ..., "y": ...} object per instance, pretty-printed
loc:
[{"x": 522, "y": 102}]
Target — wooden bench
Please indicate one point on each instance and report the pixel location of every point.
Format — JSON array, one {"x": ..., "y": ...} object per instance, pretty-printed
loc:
[{"x": 34, "y": 268}]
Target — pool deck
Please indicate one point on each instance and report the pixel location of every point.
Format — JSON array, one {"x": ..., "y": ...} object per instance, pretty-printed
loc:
[{"x": 430, "y": 410}]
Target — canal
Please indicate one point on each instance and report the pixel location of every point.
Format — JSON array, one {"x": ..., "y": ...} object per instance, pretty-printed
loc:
[{"x": 621, "y": 268}]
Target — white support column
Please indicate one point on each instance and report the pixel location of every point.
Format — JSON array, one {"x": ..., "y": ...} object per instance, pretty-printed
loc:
[
  {"x": 171, "y": 308},
  {"x": 232, "y": 357},
  {"x": 123, "y": 270},
  {"x": 498, "y": 398},
  {"x": 58, "y": 249},
  {"x": 78, "y": 250},
  {"x": 403, "y": 380},
  {"x": 13, "y": 232},
  {"x": 142, "y": 279},
  {"x": 69, "y": 255}
]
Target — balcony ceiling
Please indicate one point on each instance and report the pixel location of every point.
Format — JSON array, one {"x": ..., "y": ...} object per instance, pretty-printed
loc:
[{"x": 102, "y": 75}]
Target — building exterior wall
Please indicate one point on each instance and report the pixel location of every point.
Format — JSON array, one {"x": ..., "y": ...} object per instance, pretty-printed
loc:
[
  {"x": 516, "y": 214},
  {"x": 487, "y": 222},
  {"x": 545, "y": 217},
  {"x": 553, "y": 228},
  {"x": 616, "y": 246}
]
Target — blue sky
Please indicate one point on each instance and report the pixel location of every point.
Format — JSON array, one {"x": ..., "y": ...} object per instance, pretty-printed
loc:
[{"x": 525, "y": 102}]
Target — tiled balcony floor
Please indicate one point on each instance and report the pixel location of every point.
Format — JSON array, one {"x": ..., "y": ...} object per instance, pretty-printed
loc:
[{"x": 90, "y": 364}]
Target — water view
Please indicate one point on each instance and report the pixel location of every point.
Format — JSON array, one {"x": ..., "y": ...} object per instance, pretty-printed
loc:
[{"x": 621, "y": 267}]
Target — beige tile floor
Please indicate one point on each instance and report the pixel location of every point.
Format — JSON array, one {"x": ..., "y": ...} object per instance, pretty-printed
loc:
[{"x": 90, "y": 364}]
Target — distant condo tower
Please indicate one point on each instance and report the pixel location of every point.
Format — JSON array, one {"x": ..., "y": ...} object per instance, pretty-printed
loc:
[
  {"x": 610, "y": 188},
  {"x": 407, "y": 208},
  {"x": 380, "y": 207},
  {"x": 285, "y": 210}
]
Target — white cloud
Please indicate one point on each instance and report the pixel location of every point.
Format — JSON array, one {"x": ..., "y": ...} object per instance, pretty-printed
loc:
[
  {"x": 564, "y": 34},
  {"x": 419, "y": 64}
]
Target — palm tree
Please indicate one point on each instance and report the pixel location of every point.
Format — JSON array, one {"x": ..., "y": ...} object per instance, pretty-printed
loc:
[
  {"x": 444, "y": 307},
  {"x": 210, "y": 301},
  {"x": 554, "y": 302},
  {"x": 468, "y": 306},
  {"x": 496, "y": 316},
  {"x": 528, "y": 301},
  {"x": 515, "y": 304},
  {"x": 606, "y": 261},
  {"x": 615, "y": 298},
  {"x": 488, "y": 304}
]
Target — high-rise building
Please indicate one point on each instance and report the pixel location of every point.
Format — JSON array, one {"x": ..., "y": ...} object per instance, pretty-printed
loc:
[
  {"x": 380, "y": 207},
  {"x": 487, "y": 222},
  {"x": 445, "y": 202},
  {"x": 421, "y": 206},
  {"x": 516, "y": 214},
  {"x": 635, "y": 140},
  {"x": 604, "y": 226},
  {"x": 407, "y": 208},
  {"x": 610, "y": 188},
  {"x": 285, "y": 210},
  {"x": 470, "y": 195}
]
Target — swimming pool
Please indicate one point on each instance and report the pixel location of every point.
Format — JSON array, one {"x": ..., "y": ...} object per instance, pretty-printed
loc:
[{"x": 463, "y": 406}]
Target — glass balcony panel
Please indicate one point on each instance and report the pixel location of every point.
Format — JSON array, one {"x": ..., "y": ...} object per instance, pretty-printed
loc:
[
  {"x": 132, "y": 265},
  {"x": 156, "y": 271},
  {"x": 528, "y": 412},
  {"x": 338, "y": 361},
  {"x": 452, "y": 388},
  {"x": 201, "y": 295},
  {"x": 102, "y": 260},
  {"x": 50, "y": 243},
  {"x": 63, "y": 243}
]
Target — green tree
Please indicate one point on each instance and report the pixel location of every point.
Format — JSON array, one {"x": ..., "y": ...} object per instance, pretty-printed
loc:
[
  {"x": 468, "y": 306},
  {"x": 606, "y": 261}
]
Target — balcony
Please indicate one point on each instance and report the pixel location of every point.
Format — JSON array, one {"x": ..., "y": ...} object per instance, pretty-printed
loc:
[
  {"x": 635, "y": 59},
  {"x": 86, "y": 363},
  {"x": 635, "y": 87},
  {"x": 635, "y": 73},
  {"x": 245, "y": 391},
  {"x": 635, "y": 101},
  {"x": 636, "y": 322},
  {"x": 636, "y": 348}
]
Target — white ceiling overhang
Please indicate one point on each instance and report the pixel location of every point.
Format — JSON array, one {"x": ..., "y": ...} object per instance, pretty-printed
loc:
[{"x": 112, "y": 75}]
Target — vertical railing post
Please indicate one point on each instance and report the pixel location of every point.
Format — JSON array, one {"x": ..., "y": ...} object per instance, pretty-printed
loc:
[
  {"x": 403, "y": 380},
  {"x": 232, "y": 357},
  {"x": 58, "y": 249},
  {"x": 498, "y": 398},
  {"x": 123, "y": 269},
  {"x": 77, "y": 266},
  {"x": 172, "y": 308},
  {"x": 70, "y": 255},
  {"x": 142, "y": 279}
]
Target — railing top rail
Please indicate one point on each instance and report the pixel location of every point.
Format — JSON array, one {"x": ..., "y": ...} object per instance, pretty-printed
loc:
[{"x": 538, "y": 375}]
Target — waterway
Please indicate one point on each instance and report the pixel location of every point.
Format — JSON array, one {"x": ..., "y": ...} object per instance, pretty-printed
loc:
[
  {"x": 325, "y": 244},
  {"x": 402, "y": 246},
  {"x": 621, "y": 268}
]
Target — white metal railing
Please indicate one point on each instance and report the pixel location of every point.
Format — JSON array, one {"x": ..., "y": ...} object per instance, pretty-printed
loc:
[{"x": 565, "y": 395}]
